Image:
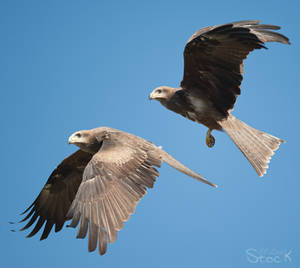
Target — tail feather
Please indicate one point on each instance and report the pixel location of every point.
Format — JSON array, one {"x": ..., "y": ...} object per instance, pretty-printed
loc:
[{"x": 257, "y": 146}]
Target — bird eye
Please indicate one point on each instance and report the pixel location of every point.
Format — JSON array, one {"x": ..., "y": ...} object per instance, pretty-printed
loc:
[
  {"x": 158, "y": 91},
  {"x": 78, "y": 135}
]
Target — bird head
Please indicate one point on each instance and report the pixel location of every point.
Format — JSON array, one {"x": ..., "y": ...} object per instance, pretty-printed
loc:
[
  {"x": 85, "y": 140},
  {"x": 161, "y": 93},
  {"x": 79, "y": 137}
]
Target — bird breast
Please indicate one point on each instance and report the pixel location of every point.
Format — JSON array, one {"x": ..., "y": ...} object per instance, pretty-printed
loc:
[
  {"x": 199, "y": 105},
  {"x": 203, "y": 112}
]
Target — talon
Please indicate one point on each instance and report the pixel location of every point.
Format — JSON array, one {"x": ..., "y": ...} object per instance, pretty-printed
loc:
[{"x": 210, "y": 140}]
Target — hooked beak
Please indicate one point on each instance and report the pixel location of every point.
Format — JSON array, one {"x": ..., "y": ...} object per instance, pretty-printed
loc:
[
  {"x": 71, "y": 139},
  {"x": 151, "y": 96}
]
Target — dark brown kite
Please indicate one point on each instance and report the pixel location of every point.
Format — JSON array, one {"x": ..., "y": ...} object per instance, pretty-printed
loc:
[
  {"x": 213, "y": 67},
  {"x": 99, "y": 186}
]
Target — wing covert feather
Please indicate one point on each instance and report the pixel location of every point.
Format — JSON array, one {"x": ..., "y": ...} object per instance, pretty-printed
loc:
[{"x": 113, "y": 182}]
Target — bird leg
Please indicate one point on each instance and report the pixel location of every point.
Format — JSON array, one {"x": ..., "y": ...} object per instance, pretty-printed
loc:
[{"x": 210, "y": 140}]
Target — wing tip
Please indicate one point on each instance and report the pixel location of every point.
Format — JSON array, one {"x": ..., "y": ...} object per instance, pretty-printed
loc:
[{"x": 212, "y": 184}]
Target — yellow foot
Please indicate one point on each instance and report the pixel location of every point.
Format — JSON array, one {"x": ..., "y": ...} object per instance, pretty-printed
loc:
[{"x": 210, "y": 140}]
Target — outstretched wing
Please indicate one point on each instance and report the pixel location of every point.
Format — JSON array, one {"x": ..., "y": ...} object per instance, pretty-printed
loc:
[
  {"x": 113, "y": 182},
  {"x": 213, "y": 59},
  {"x": 54, "y": 201}
]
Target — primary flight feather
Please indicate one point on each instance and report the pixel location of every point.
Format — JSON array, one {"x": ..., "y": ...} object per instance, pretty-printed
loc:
[
  {"x": 99, "y": 186},
  {"x": 213, "y": 68}
]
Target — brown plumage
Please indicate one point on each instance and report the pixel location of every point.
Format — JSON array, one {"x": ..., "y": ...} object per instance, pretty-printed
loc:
[
  {"x": 213, "y": 68},
  {"x": 99, "y": 186}
]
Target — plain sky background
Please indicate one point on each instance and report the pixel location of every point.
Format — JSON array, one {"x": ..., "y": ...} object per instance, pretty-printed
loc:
[{"x": 71, "y": 65}]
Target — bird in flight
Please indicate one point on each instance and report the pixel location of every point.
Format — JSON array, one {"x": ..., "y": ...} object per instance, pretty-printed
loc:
[
  {"x": 99, "y": 186},
  {"x": 213, "y": 68}
]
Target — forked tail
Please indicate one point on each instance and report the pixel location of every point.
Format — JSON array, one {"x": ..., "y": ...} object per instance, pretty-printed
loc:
[{"x": 257, "y": 146}]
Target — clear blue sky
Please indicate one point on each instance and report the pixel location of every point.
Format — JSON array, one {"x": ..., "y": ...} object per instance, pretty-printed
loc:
[{"x": 71, "y": 65}]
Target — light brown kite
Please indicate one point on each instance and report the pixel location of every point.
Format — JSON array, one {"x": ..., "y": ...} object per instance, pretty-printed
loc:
[
  {"x": 99, "y": 186},
  {"x": 213, "y": 67}
]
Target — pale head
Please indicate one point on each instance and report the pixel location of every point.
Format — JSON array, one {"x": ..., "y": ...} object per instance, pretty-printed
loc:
[
  {"x": 86, "y": 140},
  {"x": 162, "y": 93}
]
